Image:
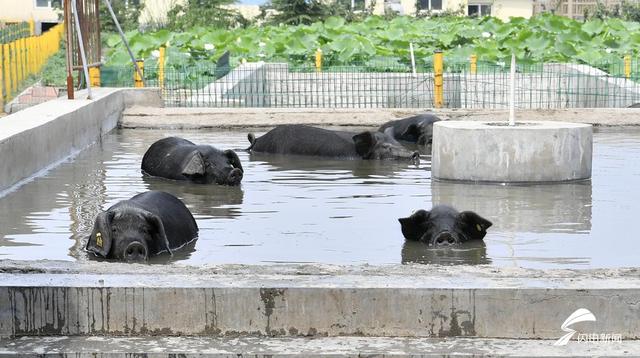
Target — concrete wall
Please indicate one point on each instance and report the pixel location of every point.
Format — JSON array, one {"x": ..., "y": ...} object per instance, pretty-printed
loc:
[
  {"x": 312, "y": 300},
  {"x": 39, "y": 137}
]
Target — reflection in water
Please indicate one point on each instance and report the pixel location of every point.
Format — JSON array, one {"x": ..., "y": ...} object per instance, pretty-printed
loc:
[
  {"x": 317, "y": 166},
  {"x": 542, "y": 208},
  {"x": 303, "y": 209},
  {"x": 468, "y": 253},
  {"x": 202, "y": 199}
]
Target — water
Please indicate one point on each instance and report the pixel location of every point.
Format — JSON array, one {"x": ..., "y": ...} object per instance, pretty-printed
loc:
[{"x": 301, "y": 210}]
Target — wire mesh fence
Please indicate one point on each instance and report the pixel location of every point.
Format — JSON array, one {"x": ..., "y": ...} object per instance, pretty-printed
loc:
[{"x": 549, "y": 85}]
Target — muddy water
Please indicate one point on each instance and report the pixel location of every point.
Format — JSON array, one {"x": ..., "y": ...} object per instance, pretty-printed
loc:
[{"x": 301, "y": 210}]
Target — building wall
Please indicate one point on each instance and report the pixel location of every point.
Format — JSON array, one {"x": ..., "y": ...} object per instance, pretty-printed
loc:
[
  {"x": 155, "y": 11},
  {"x": 504, "y": 9},
  {"x": 24, "y": 10}
]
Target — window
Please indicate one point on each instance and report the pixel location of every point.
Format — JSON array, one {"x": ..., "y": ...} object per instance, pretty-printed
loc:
[
  {"x": 354, "y": 5},
  {"x": 479, "y": 10},
  {"x": 357, "y": 5},
  {"x": 429, "y": 4},
  {"x": 48, "y": 3}
]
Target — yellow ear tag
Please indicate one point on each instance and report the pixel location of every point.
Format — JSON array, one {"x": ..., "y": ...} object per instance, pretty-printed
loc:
[
  {"x": 478, "y": 227},
  {"x": 99, "y": 239}
]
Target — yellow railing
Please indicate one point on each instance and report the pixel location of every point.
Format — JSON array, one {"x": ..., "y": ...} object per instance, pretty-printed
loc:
[{"x": 24, "y": 57}]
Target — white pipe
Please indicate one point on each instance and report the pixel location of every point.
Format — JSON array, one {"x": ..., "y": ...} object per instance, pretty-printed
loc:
[
  {"x": 512, "y": 92},
  {"x": 413, "y": 60},
  {"x": 85, "y": 68}
]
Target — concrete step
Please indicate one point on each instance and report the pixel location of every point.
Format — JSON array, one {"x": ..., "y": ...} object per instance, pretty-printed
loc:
[
  {"x": 78, "y": 347},
  {"x": 71, "y": 299}
]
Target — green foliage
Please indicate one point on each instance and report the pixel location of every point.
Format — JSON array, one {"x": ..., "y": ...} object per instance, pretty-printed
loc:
[
  {"x": 54, "y": 70},
  {"x": 626, "y": 10},
  {"x": 127, "y": 12},
  {"x": 301, "y": 12},
  {"x": 375, "y": 40},
  {"x": 204, "y": 13}
]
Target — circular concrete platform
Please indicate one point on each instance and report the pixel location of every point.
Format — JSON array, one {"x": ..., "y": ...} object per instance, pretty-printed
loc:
[{"x": 496, "y": 152}]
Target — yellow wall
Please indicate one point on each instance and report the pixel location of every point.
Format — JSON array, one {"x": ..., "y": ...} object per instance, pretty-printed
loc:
[{"x": 23, "y": 10}]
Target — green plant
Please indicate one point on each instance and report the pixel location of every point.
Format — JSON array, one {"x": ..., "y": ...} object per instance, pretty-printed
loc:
[
  {"x": 204, "y": 13},
  {"x": 375, "y": 41},
  {"x": 301, "y": 12},
  {"x": 127, "y": 12}
]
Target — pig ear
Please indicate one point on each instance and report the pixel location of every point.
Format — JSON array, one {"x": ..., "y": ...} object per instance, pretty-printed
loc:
[
  {"x": 233, "y": 159},
  {"x": 100, "y": 240},
  {"x": 475, "y": 225},
  {"x": 195, "y": 165},
  {"x": 160, "y": 241},
  {"x": 364, "y": 142},
  {"x": 414, "y": 226}
]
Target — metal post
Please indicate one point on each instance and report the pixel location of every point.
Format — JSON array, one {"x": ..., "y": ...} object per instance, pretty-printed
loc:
[
  {"x": 512, "y": 92},
  {"x": 161, "y": 68},
  {"x": 138, "y": 74},
  {"x": 413, "y": 60},
  {"x": 69, "y": 41},
  {"x": 627, "y": 66},
  {"x": 81, "y": 45},
  {"x": 124, "y": 38},
  {"x": 7, "y": 71},
  {"x": 474, "y": 64},
  {"x": 318, "y": 60},
  {"x": 94, "y": 76},
  {"x": 438, "y": 79}
]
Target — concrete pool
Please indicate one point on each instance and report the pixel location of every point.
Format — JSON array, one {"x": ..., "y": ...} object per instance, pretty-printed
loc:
[
  {"x": 553, "y": 248},
  {"x": 302, "y": 210}
]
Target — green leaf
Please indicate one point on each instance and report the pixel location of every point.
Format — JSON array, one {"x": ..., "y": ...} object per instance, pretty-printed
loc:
[
  {"x": 334, "y": 22},
  {"x": 593, "y": 27},
  {"x": 566, "y": 49}
]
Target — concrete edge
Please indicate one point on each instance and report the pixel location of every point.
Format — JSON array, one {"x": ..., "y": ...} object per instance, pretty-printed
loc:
[
  {"x": 321, "y": 275},
  {"x": 186, "y": 118},
  {"x": 79, "y": 347}
]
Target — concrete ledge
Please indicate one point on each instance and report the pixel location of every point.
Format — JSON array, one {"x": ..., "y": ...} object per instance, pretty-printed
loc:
[
  {"x": 312, "y": 300},
  {"x": 41, "y": 136},
  {"x": 80, "y": 347},
  {"x": 193, "y": 118}
]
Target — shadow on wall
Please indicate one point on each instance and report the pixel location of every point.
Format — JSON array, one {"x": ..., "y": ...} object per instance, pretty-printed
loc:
[{"x": 536, "y": 208}]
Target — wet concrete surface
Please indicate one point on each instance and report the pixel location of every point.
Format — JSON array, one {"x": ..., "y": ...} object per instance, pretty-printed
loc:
[{"x": 79, "y": 347}]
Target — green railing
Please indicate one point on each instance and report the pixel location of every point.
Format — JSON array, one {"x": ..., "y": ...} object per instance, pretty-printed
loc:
[{"x": 393, "y": 85}]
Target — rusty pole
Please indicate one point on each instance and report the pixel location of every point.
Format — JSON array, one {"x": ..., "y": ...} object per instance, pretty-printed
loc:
[{"x": 69, "y": 42}]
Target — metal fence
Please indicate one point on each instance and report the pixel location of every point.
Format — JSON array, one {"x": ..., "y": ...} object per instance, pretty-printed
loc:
[
  {"x": 25, "y": 57},
  {"x": 549, "y": 85}
]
